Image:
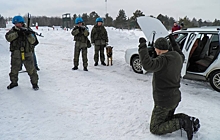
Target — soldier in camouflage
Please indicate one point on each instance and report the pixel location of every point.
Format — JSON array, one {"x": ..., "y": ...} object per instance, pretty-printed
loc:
[
  {"x": 166, "y": 83},
  {"x": 99, "y": 38},
  {"x": 21, "y": 47},
  {"x": 80, "y": 33}
]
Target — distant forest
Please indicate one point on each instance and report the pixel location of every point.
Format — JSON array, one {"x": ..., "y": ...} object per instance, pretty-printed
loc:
[{"x": 121, "y": 21}]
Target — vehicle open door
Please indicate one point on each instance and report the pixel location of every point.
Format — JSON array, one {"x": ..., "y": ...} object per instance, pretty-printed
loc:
[
  {"x": 191, "y": 39},
  {"x": 152, "y": 28}
]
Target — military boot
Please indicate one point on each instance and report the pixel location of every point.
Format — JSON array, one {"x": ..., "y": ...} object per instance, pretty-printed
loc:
[
  {"x": 96, "y": 64},
  {"x": 37, "y": 68},
  {"x": 12, "y": 85},
  {"x": 196, "y": 124},
  {"x": 75, "y": 68},
  {"x": 103, "y": 63},
  {"x": 187, "y": 124},
  {"x": 85, "y": 69},
  {"x": 35, "y": 86}
]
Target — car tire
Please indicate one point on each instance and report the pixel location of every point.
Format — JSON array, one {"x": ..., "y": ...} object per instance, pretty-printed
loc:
[
  {"x": 136, "y": 65},
  {"x": 215, "y": 80}
]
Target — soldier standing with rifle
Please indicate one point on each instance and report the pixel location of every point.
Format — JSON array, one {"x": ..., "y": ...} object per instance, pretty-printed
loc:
[
  {"x": 21, "y": 46},
  {"x": 35, "y": 44},
  {"x": 80, "y": 33}
]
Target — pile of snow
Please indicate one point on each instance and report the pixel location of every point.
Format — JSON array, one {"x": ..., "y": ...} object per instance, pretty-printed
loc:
[{"x": 104, "y": 103}]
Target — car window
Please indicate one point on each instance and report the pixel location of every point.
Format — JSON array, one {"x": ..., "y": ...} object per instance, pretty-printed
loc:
[
  {"x": 180, "y": 37},
  {"x": 214, "y": 38},
  {"x": 214, "y": 44}
]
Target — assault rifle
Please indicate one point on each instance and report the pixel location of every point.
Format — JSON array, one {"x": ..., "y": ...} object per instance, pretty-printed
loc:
[{"x": 28, "y": 29}]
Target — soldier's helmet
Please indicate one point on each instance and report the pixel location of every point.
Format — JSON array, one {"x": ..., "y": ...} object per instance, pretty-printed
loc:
[
  {"x": 17, "y": 19},
  {"x": 161, "y": 44},
  {"x": 99, "y": 19},
  {"x": 78, "y": 20}
]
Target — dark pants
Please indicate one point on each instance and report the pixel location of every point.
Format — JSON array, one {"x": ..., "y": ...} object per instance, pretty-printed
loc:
[
  {"x": 84, "y": 56},
  {"x": 163, "y": 120},
  {"x": 99, "y": 48}
]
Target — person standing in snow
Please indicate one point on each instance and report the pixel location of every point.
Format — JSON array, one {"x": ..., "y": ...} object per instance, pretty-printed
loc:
[
  {"x": 80, "y": 33},
  {"x": 99, "y": 38},
  {"x": 21, "y": 47},
  {"x": 166, "y": 84}
]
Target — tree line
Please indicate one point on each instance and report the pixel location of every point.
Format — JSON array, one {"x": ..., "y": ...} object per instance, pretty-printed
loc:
[{"x": 121, "y": 20}]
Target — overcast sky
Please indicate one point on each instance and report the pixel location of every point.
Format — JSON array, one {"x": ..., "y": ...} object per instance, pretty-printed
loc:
[{"x": 204, "y": 9}]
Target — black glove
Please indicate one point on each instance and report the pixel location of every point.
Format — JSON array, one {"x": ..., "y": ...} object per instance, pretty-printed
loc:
[
  {"x": 76, "y": 27},
  {"x": 83, "y": 28},
  {"x": 142, "y": 40},
  {"x": 27, "y": 32}
]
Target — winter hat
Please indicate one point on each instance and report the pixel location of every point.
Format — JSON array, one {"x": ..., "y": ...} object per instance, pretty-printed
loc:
[
  {"x": 161, "y": 44},
  {"x": 142, "y": 40}
]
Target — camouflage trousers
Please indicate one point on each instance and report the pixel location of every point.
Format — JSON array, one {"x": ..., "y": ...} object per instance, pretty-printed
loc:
[
  {"x": 99, "y": 48},
  {"x": 163, "y": 120},
  {"x": 16, "y": 63},
  {"x": 84, "y": 56}
]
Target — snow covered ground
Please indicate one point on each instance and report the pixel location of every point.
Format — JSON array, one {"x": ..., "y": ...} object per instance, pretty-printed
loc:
[{"x": 105, "y": 103}]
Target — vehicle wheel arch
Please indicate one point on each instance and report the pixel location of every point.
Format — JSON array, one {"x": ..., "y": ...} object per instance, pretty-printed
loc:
[
  {"x": 214, "y": 79},
  {"x": 210, "y": 73},
  {"x": 136, "y": 64},
  {"x": 134, "y": 55}
]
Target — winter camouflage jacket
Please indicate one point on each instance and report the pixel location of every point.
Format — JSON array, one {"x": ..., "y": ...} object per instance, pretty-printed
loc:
[
  {"x": 99, "y": 35},
  {"x": 80, "y": 34},
  {"x": 166, "y": 78},
  {"x": 16, "y": 41}
]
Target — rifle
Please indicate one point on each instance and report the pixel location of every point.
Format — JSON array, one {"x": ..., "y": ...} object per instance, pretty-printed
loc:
[
  {"x": 29, "y": 20},
  {"x": 29, "y": 29}
]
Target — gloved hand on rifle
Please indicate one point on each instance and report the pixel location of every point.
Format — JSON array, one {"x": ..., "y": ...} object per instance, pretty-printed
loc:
[
  {"x": 20, "y": 32},
  {"x": 82, "y": 28},
  {"x": 76, "y": 27},
  {"x": 26, "y": 31}
]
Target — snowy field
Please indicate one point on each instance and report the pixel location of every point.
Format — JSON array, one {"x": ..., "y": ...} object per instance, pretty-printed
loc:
[{"x": 105, "y": 103}]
